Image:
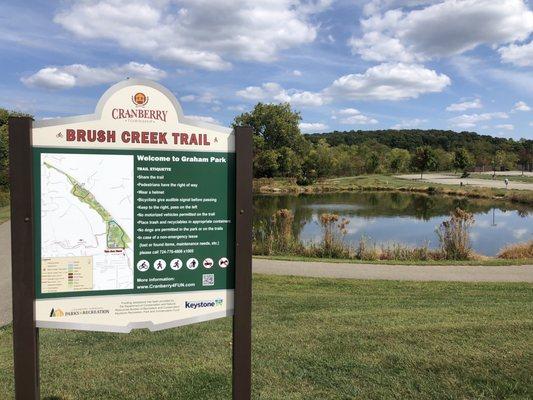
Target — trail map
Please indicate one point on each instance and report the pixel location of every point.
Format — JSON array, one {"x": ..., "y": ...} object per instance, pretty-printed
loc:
[{"x": 87, "y": 222}]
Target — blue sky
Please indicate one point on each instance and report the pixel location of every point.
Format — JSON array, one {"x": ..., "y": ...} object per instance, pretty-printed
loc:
[{"x": 452, "y": 64}]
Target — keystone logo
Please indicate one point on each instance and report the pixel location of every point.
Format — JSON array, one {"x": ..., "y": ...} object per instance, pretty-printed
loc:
[
  {"x": 204, "y": 304},
  {"x": 56, "y": 313}
]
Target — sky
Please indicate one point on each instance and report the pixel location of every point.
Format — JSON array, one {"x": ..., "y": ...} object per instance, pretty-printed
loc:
[{"x": 465, "y": 65}]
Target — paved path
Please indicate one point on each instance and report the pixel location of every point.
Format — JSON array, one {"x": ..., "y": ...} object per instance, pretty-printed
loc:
[
  {"x": 508, "y": 173},
  {"x": 446, "y": 179},
  {"x": 457, "y": 273},
  {"x": 5, "y": 274}
]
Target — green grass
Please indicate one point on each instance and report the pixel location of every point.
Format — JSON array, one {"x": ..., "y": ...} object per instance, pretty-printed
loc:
[
  {"x": 313, "y": 339},
  {"x": 4, "y": 214},
  {"x": 484, "y": 262}
]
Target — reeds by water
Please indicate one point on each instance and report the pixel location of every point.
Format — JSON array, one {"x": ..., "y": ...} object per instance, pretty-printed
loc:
[{"x": 276, "y": 237}]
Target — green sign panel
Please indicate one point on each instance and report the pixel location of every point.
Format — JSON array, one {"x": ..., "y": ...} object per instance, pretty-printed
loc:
[{"x": 135, "y": 215}]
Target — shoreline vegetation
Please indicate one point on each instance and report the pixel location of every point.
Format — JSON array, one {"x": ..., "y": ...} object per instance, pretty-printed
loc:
[
  {"x": 380, "y": 182},
  {"x": 275, "y": 237}
]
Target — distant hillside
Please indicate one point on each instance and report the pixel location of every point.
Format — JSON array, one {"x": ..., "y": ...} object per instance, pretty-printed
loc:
[{"x": 410, "y": 139}]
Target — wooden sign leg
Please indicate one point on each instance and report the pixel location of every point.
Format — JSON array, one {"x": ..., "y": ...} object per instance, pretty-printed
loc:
[
  {"x": 242, "y": 319},
  {"x": 25, "y": 334}
]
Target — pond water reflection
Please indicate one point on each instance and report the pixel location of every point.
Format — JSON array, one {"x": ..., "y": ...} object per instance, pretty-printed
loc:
[{"x": 386, "y": 217}]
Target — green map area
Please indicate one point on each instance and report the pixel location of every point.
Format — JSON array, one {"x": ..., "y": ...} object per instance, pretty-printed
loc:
[{"x": 116, "y": 236}]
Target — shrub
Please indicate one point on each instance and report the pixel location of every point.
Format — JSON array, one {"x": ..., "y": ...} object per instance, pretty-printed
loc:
[
  {"x": 333, "y": 232},
  {"x": 517, "y": 251},
  {"x": 275, "y": 236},
  {"x": 4, "y": 198},
  {"x": 454, "y": 235}
]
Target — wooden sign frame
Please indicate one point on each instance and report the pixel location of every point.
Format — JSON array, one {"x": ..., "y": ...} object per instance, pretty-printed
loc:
[{"x": 25, "y": 332}]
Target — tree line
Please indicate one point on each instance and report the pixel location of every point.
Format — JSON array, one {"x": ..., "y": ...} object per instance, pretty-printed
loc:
[{"x": 281, "y": 150}]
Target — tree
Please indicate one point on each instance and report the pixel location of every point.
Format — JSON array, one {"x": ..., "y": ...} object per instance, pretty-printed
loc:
[
  {"x": 290, "y": 164},
  {"x": 504, "y": 160},
  {"x": 266, "y": 164},
  {"x": 399, "y": 160},
  {"x": 372, "y": 163},
  {"x": 277, "y": 125},
  {"x": 444, "y": 159},
  {"x": 525, "y": 156},
  {"x": 423, "y": 159},
  {"x": 462, "y": 160},
  {"x": 497, "y": 161},
  {"x": 4, "y": 157},
  {"x": 4, "y": 145},
  {"x": 321, "y": 160}
]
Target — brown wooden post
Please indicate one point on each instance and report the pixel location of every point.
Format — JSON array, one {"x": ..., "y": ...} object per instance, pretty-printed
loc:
[
  {"x": 242, "y": 319},
  {"x": 25, "y": 334}
]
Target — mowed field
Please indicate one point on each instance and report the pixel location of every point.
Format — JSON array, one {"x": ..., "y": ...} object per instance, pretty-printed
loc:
[{"x": 313, "y": 339}]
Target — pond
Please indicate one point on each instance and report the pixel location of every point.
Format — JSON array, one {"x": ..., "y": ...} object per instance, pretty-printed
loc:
[{"x": 406, "y": 218}]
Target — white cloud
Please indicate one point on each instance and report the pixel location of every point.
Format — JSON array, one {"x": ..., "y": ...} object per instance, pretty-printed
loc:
[
  {"x": 203, "y": 118},
  {"x": 375, "y": 46},
  {"x": 375, "y": 6},
  {"x": 205, "y": 98},
  {"x": 239, "y": 107},
  {"x": 200, "y": 33},
  {"x": 381, "y": 82},
  {"x": 312, "y": 127},
  {"x": 521, "y": 55},
  {"x": 68, "y": 76},
  {"x": 389, "y": 82},
  {"x": 521, "y": 106},
  {"x": 297, "y": 72},
  {"x": 273, "y": 92},
  {"x": 445, "y": 29},
  {"x": 465, "y": 105},
  {"x": 507, "y": 127},
  {"x": 410, "y": 123},
  {"x": 471, "y": 120},
  {"x": 520, "y": 233},
  {"x": 352, "y": 116}
]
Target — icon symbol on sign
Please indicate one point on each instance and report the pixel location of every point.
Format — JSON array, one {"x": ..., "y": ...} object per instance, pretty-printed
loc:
[
  {"x": 143, "y": 265},
  {"x": 223, "y": 262},
  {"x": 208, "y": 263},
  {"x": 176, "y": 264},
  {"x": 192, "y": 263},
  {"x": 160, "y": 265}
]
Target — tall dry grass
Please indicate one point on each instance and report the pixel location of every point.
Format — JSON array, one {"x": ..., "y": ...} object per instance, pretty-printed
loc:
[
  {"x": 275, "y": 236},
  {"x": 517, "y": 251},
  {"x": 454, "y": 235},
  {"x": 332, "y": 244}
]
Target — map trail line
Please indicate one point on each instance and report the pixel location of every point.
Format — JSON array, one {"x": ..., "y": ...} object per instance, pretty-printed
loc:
[{"x": 117, "y": 238}]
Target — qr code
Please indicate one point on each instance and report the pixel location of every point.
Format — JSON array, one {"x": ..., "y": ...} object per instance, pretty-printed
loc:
[{"x": 208, "y": 279}]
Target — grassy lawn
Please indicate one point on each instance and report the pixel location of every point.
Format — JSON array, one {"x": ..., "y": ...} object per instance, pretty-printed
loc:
[
  {"x": 4, "y": 214},
  {"x": 486, "y": 261},
  {"x": 313, "y": 339}
]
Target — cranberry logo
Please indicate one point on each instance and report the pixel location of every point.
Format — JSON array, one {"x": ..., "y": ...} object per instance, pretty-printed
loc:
[{"x": 139, "y": 99}]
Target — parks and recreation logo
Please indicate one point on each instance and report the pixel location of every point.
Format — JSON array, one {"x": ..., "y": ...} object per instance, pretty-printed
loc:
[
  {"x": 204, "y": 304},
  {"x": 58, "y": 312},
  {"x": 140, "y": 100}
]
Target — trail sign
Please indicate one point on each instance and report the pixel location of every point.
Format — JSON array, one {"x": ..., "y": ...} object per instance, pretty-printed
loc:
[{"x": 132, "y": 215}]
